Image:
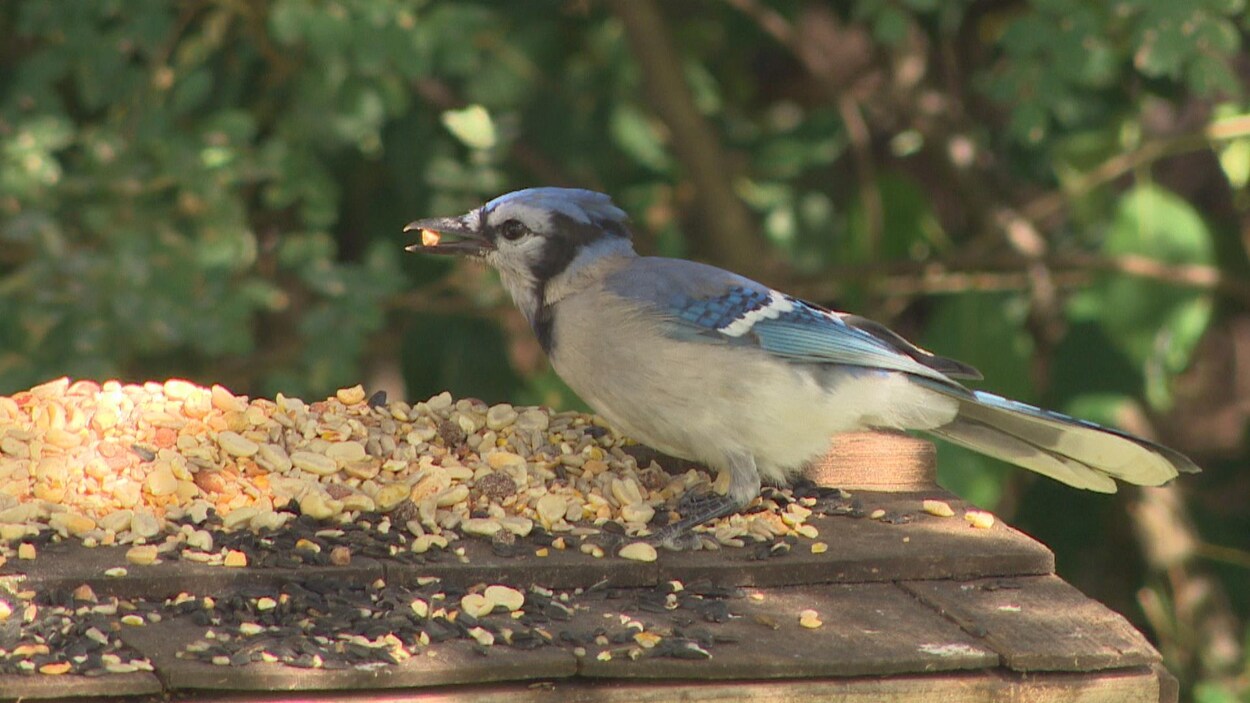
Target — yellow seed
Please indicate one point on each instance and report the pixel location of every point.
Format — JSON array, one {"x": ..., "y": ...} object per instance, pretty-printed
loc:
[
  {"x": 647, "y": 640},
  {"x": 877, "y": 514},
  {"x": 819, "y": 547},
  {"x": 390, "y": 496},
  {"x": 225, "y": 401},
  {"x": 346, "y": 452},
  {"x": 351, "y": 396},
  {"x": 542, "y": 552},
  {"x": 938, "y": 508},
  {"x": 483, "y": 637},
  {"x": 810, "y": 619},
  {"x": 980, "y": 519},
  {"x": 308, "y": 545},
  {"x": 509, "y": 598},
  {"x": 638, "y": 551},
  {"x": 319, "y": 464},
  {"x": 142, "y": 555},
  {"x": 235, "y": 558},
  {"x": 476, "y": 604},
  {"x": 236, "y": 444},
  {"x": 429, "y": 238},
  {"x": 25, "y": 550},
  {"x": 55, "y": 669}
]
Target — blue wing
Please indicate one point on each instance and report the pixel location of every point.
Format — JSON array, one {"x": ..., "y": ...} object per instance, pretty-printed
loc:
[{"x": 709, "y": 305}]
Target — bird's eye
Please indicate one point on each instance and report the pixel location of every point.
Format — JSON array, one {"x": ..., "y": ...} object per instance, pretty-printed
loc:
[{"x": 512, "y": 230}]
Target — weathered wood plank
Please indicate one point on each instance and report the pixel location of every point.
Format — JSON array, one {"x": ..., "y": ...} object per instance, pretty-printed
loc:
[
  {"x": 456, "y": 662},
  {"x": 927, "y": 547},
  {"x": 1130, "y": 686},
  {"x": 916, "y": 546},
  {"x": 1039, "y": 623},
  {"x": 38, "y": 687},
  {"x": 65, "y": 566},
  {"x": 869, "y": 629}
]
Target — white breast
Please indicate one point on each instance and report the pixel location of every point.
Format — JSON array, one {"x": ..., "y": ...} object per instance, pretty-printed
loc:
[{"x": 704, "y": 401}]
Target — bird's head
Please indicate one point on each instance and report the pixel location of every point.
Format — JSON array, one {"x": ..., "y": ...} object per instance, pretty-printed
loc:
[{"x": 531, "y": 236}]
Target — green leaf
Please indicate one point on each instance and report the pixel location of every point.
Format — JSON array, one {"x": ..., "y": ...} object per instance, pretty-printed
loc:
[
  {"x": 1155, "y": 324},
  {"x": 472, "y": 125},
  {"x": 638, "y": 137},
  {"x": 987, "y": 331},
  {"x": 976, "y": 478},
  {"x": 909, "y": 228},
  {"x": 467, "y": 356},
  {"x": 1102, "y": 408},
  {"x": 890, "y": 26}
]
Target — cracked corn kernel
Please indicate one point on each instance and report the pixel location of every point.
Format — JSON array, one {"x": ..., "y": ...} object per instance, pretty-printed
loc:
[
  {"x": 647, "y": 640},
  {"x": 509, "y": 598},
  {"x": 810, "y": 619},
  {"x": 55, "y": 668},
  {"x": 142, "y": 555},
  {"x": 484, "y": 637},
  {"x": 476, "y": 604},
  {"x": 819, "y": 547},
  {"x": 938, "y": 508},
  {"x": 430, "y": 238},
  {"x": 235, "y": 558},
  {"x": 979, "y": 518},
  {"x": 638, "y": 551},
  {"x": 351, "y": 396}
]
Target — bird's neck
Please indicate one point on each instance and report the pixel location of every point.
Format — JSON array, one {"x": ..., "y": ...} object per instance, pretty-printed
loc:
[
  {"x": 536, "y": 298},
  {"x": 591, "y": 265}
]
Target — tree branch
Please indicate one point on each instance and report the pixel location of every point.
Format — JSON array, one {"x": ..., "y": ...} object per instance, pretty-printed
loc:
[
  {"x": 1052, "y": 203},
  {"x": 727, "y": 232},
  {"x": 909, "y": 278}
]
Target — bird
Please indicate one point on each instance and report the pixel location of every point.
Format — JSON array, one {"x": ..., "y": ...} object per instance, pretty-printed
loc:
[{"x": 709, "y": 366}]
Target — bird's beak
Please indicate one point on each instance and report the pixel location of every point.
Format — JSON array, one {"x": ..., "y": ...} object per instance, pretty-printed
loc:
[{"x": 449, "y": 235}]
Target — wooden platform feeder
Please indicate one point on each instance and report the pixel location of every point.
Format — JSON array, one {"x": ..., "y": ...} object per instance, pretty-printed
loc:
[{"x": 918, "y": 608}]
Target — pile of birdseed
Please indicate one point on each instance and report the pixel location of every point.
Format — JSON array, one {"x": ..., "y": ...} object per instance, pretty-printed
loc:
[
  {"x": 63, "y": 633},
  {"x": 175, "y": 469}
]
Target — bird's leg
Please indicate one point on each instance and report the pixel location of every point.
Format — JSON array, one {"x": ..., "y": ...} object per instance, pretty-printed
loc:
[{"x": 698, "y": 508}]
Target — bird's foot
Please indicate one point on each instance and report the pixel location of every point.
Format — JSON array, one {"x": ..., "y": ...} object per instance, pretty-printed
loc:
[{"x": 696, "y": 509}]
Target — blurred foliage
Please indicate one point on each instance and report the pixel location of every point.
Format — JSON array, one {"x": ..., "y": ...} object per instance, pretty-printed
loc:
[{"x": 216, "y": 189}]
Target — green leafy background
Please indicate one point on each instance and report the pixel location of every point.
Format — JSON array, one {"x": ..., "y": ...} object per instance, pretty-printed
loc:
[{"x": 1051, "y": 190}]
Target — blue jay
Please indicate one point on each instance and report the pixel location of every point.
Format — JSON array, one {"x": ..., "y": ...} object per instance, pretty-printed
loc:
[{"x": 709, "y": 366}]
